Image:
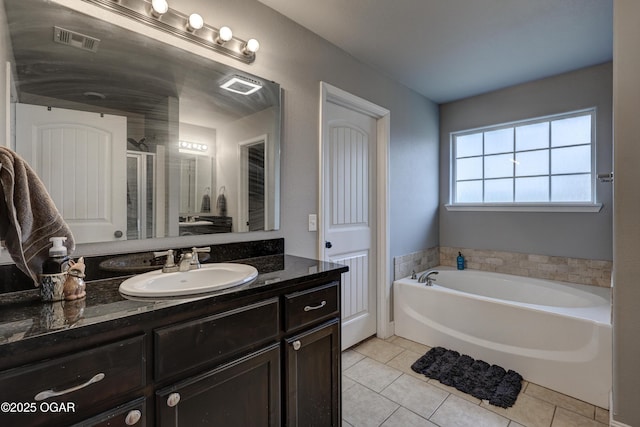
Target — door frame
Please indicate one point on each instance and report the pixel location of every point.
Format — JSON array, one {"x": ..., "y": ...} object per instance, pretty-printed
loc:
[{"x": 329, "y": 93}]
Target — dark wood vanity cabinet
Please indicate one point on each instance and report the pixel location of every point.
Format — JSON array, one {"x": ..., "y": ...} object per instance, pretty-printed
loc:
[
  {"x": 244, "y": 392},
  {"x": 269, "y": 359},
  {"x": 312, "y": 356},
  {"x": 313, "y": 376}
]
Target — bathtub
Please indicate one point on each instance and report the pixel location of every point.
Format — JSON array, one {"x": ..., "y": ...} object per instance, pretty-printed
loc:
[{"x": 555, "y": 334}]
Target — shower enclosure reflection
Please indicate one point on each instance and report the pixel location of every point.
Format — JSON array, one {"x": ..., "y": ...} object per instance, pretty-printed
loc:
[{"x": 141, "y": 179}]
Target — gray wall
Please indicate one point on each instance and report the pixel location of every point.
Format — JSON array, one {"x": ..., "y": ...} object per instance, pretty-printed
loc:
[
  {"x": 626, "y": 267},
  {"x": 298, "y": 60},
  {"x": 577, "y": 235}
]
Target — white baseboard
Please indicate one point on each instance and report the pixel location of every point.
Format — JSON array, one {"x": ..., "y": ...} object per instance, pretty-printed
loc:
[{"x": 613, "y": 423}]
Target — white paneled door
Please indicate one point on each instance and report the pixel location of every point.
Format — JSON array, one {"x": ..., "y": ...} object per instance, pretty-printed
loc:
[
  {"x": 349, "y": 217},
  {"x": 81, "y": 158}
]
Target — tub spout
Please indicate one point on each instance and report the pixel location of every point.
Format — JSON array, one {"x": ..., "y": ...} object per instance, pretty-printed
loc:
[{"x": 427, "y": 278}]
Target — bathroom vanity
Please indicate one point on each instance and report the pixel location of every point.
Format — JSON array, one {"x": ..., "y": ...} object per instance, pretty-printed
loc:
[{"x": 263, "y": 354}]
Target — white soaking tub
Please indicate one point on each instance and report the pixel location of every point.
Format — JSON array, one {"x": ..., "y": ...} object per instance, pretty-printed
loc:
[{"x": 555, "y": 334}]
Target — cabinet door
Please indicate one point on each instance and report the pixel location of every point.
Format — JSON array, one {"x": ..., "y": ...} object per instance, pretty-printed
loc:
[
  {"x": 245, "y": 392},
  {"x": 313, "y": 377}
]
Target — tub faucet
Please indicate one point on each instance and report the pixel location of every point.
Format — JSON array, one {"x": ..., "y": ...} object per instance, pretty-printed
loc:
[{"x": 426, "y": 277}]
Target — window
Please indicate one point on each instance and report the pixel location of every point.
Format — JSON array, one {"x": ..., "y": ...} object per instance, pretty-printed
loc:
[{"x": 540, "y": 162}]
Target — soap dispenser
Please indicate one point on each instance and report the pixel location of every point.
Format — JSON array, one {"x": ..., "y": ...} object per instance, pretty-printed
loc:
[
  {"x": 460, "y": 261},
  {"x": 54, "y": 271}
]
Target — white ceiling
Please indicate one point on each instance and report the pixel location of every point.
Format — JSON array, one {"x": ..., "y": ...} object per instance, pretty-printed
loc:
[{"x": 453, "y": 49}]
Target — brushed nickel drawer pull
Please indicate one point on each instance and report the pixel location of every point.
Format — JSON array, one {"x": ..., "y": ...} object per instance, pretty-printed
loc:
[
  {"x": 50, "y": 393},
  {"x": 173, "y": 400},
  {"x": 133, "y": 417},
  {"x": 315, "y": 307}
]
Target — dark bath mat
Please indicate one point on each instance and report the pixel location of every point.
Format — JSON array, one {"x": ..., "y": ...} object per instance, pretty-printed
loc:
[{"x": 475, "y": 377}]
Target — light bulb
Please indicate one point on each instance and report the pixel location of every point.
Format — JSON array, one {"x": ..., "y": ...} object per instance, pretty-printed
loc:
[
  {"x": 251, "y": 47},
  {"x": 224, "y": 35},
  {"x": 195, "y": 22},
  {"x": 159, "y": 7}
]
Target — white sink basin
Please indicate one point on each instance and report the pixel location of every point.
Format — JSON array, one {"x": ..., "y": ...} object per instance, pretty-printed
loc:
[{"x": 209, "y": 278}]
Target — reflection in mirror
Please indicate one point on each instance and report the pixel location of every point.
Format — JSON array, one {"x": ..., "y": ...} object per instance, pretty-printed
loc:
[{"x": 137, "y": 139}]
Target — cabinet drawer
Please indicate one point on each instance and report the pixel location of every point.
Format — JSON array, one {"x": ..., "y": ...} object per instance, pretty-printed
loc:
[
  {"x": 205, "y": 341},
  {"x": 130, "y": 414},
  {"x": 79, "y": 382},
  {"x": 310, "y": 306}
]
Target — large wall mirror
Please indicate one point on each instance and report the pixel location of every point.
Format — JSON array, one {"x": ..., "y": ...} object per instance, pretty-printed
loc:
[{"x": 137, "y": 139}]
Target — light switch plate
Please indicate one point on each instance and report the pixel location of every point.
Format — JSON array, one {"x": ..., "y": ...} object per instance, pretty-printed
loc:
[{"x": 313, "y": 222}]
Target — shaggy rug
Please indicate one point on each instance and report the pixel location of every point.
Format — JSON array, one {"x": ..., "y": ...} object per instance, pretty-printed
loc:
[{"x": 475, "y": 377}]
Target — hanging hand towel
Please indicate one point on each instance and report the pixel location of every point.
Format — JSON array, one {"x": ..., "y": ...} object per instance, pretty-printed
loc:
[
  {"x": 221, "y": 202},
  {"x": 28, "y": 216},
  {"x": 206, "y": 201}
]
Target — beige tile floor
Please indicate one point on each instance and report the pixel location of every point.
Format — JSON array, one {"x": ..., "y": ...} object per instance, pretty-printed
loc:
[{"x": 380, "y": 389}]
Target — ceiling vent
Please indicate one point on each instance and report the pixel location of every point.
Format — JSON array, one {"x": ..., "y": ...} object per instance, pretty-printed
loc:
[
  {"x": 242, "y": 85},
  {"x": 72, "y": 38}
]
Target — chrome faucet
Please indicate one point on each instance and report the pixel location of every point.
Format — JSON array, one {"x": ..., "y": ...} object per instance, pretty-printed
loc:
[
  {"x": 195, "y": 262},
  {"x": 188, "y": 260},
  {"x": 185, "y": 262},
  {"x": 427, "y": 278}
]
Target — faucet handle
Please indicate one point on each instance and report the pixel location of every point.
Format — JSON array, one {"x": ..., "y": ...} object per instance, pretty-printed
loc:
[
  {"x": 170, "y": 263},
  {"x": 168, "y": 253},
  {"x": 200, "y": 250},
  {"x": 194, "y": 255}
]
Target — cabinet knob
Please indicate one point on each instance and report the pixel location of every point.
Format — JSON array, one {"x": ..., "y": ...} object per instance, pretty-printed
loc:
[
  {"x": 173, "y": 399},
  {"x": 133, "y": 417},
  {"x": 297, "y": 345}
]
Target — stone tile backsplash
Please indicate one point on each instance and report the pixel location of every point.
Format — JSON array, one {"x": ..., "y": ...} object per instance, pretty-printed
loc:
[
  {"x": 417, "y": 261},
  {"x": 563, "y": 269}
]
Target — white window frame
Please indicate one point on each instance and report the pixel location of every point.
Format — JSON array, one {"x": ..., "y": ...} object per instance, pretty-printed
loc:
[{"x": 590, "y": 206}]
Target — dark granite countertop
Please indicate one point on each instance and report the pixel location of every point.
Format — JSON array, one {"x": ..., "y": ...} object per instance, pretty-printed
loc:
[{"x": 23, "y": 316}]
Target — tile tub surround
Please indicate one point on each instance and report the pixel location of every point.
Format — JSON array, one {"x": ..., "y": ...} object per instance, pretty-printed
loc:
[
  {"x": 380, "y": 389},
  {"x": 417, "y": 261},
  {"x": 562, "y": 269}
]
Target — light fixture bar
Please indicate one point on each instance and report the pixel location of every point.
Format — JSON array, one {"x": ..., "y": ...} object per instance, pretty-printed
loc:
[{"x": 176, "y": 23}]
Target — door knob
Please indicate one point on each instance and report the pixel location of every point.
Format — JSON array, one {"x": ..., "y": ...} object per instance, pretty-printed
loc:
[
  {"x": 117, "y": 234},
  {"x": 328, "y": 245},
  {"x": 297, "y": 345}
]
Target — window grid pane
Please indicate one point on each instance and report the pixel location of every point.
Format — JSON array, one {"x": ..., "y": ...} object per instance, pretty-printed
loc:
[{"x": 535, "y": 161}]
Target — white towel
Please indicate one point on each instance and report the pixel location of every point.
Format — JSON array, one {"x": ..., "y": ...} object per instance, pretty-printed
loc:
[{"x": 28, "y": 216}]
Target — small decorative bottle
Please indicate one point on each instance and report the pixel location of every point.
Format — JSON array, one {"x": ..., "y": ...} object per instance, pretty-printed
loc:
[{"x": 460, "y": 260}]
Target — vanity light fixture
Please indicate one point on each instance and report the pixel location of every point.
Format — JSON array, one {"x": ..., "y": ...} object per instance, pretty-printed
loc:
[
  {"x": 242, "y": 85},
  {"x": 251, "y": 47},
  {"x": 159, "y": 8},
  {"x": 195, "y": 22},
  {"x": 224, "y": 35},
  {"x": 193, "y": 146},
  {"x": 158, "y": 14}
]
